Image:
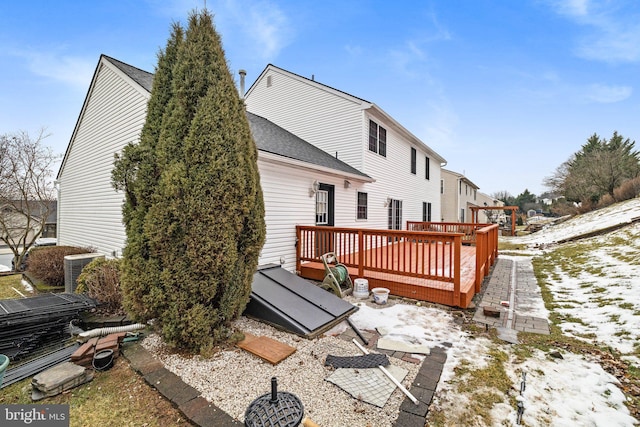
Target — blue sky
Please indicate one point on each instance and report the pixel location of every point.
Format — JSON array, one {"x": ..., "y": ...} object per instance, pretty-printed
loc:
[{"x": 504, "y": 90}]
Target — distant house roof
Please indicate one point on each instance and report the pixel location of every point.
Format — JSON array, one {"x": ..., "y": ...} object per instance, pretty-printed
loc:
[
  {"x": 460, "y": 177},
  {"x": 268, "y": 136},
  {"x": 35, "y": 208}
]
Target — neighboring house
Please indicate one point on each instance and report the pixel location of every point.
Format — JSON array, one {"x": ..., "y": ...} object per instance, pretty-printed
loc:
[
  {"x": 458, "y": 194},
  {"x": 406, "y": 171},
  {"x": 17, "y": 217},
  {"x": 113, "y": 113},
  {"x": 490, "y": 216}
]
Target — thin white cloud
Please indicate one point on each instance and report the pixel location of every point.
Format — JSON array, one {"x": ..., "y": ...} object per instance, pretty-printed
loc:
[
  {"x": 607, "y": 94},
  {"x": 613, "y": 28},
  {"x": 268, "y": 26},
  {"x": 353, "y": 50},
  {"x": 575, "y": 8},
  {"x": 265, "y": 25},
  {"x": 260, "y": 27},
  {"x": 414, "y": 51},
  {"x": 73, "y": 71}
]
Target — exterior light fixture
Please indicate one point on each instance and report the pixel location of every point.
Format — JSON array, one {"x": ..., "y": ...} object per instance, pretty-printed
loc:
[{"x": 314, "y": 188}]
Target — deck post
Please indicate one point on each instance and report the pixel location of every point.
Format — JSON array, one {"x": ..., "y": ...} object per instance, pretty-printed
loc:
[
  {"x": 361, "y": 250},
  {"x": 298, "y": 250},
  {"x": 457, "y": 251},
  {"x": 481, "y": 260}
]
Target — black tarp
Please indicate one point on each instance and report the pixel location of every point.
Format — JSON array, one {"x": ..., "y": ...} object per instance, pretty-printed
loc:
[{"x": 289, "y": 302}]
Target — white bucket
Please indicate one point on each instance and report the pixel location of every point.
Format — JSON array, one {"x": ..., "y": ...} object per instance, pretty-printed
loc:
[
  {"x": 361, "y": 288},
  {"x": 380, "y": 295}
]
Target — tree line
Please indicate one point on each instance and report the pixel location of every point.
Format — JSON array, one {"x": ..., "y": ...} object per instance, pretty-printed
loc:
[{"x": 602, "y": 172}]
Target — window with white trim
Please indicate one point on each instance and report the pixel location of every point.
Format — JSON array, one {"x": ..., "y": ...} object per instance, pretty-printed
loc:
[
  {"x": 362, "y": 206},
  {"x": 395, "y": 215},
  {"x": 426, "y": 211},
  {"x": 414, "y": 160},
  {"x": 377, "y": 139},
  {"x": 427, "y": 167},
  {"x": 322, "y": 207}
]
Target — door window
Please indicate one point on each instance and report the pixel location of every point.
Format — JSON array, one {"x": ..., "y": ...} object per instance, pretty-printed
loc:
[{"x": 322, "y": 207}]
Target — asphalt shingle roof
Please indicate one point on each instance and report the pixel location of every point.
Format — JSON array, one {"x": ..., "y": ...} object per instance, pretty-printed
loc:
[
  {"x": 268, "y": 136},
  {"x": 271, "y": 138},
  {"x": 143, "y": 78}
]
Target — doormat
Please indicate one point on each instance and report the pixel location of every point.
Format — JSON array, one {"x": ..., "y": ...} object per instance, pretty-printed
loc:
[
  {"x": 369, "y": 385},
  {"x": 266, "y": 348},
  {"x": 372, "y": 360}
]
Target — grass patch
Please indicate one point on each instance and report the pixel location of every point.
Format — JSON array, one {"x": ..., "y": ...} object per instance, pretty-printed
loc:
[
  {"x": 614, "y": 318},
  {"x": 9, "y": 282},
  {"x": 118, "y": 396},
  {"x": 114, "y": 397},
  {"x": 485, "y": 387},
  {"x": 510, "y": 246}
]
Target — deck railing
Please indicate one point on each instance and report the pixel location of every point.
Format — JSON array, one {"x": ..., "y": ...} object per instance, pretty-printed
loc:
[
  {"x": 486, "y": 252},
  {"x": 422, "y": 254},
  {"x": 483, "y": 236},
  {"x": 432, "y": 255},
  {"x": 467, "y": 229}
]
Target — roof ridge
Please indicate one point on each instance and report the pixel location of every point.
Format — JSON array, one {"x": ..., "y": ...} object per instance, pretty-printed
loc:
[{"x": 319, "y": 83}]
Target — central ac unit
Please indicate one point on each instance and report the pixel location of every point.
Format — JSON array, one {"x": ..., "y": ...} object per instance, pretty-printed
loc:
[{"x": 73, "y": 265}]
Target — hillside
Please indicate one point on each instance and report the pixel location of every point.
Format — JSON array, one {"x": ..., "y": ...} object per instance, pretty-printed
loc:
[{"x": 587, "y": 372}]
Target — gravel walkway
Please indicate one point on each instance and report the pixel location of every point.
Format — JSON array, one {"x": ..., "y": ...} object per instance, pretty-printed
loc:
[{"x": 233, "y": 378}]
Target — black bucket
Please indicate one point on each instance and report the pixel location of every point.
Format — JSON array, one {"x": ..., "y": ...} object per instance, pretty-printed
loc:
[{"x": 103, "y": 360}]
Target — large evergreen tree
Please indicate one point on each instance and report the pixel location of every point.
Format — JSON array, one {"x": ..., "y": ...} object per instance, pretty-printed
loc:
[
  {"x": 195, "y": 218},
  {"x": 597, "y": 169}
]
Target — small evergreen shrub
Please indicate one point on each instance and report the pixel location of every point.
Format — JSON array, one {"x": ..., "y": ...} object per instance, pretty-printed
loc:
[
  {"x": 100, "y": 280},
  {"x": 47, "y": 263}
]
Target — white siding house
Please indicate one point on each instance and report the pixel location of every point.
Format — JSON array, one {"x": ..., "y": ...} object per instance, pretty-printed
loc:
[
  {"x": 113, "y": 114},
  {"x": 458, "y": 194},
  {"x": 406, "y": 171},
  {"x": 89, "y": 209}
]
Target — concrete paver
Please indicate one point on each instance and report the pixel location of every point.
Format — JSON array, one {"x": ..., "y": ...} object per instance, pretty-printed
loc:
[{"x": 513, "y": 282}]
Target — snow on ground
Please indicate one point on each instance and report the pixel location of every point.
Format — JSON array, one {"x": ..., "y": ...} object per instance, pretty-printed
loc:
[
  {"x": 558, "y": 392},
  {"x": 571, "y": 391},
  {"x": 600, "y": 303},
  {"x": 596, "y": 220},
  {"x": 4, "y": 268}
]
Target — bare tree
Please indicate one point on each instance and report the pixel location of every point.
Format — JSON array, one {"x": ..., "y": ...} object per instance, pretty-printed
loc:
[{"x": 26, "y": 190}]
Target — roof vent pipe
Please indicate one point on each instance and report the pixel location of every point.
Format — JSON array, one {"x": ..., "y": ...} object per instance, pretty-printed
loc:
[{"x": 242, "y": 73}]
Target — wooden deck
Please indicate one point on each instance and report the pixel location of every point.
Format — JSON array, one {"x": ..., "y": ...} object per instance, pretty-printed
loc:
[{"x": 427, "y": 266}]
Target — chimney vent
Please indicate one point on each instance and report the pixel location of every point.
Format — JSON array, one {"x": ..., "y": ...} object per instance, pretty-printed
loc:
[{"x": 242, "y": 73}]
